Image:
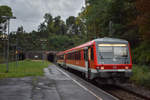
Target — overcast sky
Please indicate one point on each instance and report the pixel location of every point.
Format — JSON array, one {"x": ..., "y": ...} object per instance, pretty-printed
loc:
[{"x": 30, "y": 13}]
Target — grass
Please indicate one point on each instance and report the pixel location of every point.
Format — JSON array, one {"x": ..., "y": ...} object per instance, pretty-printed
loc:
[
  {"x": 24, "y": 68},
  {"x": 1, "y": 59},
  {"x": 141, "y": 75}
]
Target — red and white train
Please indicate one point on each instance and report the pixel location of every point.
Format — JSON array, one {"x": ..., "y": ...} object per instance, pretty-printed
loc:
[{"x": 103, "y": 58}]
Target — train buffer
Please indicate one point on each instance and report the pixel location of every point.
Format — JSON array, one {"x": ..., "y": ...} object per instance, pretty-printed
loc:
[{"x": 66, "y": 86}]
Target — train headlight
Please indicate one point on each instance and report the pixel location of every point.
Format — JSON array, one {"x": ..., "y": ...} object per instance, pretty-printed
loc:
[
  {"x": 126, "y": 67},
  {"x": 102, "y": 67}
]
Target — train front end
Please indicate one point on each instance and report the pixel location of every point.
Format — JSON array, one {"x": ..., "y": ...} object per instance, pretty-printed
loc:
[{"x": 113, "y": 59}]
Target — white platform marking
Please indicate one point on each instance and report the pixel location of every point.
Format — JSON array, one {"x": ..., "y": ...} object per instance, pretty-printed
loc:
[{"x": 99, "y": 98}]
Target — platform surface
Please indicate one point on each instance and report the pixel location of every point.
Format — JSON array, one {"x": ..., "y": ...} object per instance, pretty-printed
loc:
[
  {"x": 57, "y": 84},
  {"x": 68, "y": 87}
]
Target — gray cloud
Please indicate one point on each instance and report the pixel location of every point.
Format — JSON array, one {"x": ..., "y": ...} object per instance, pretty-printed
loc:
[{"x": 30, "y": 13}]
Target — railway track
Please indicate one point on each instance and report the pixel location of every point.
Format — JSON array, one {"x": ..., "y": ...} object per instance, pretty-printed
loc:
[
  {"x": 118, "y": 91},
  {"x": 134, "y": 93},
  {"x": 122, "y": 93}
]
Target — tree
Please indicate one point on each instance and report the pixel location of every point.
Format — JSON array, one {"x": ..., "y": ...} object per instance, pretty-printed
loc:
[
  {"x": 96, "y": 18},
  {"x": 4, "y": 11},
  {"x": 111, "y": 18},
  {"x": 59, "y": 26},
  {"x": 75, "y": 26},
  {"x": 71, "y": 25},
  {"x": 143, "y": 18},
  {"x": 142, "y": 52}
]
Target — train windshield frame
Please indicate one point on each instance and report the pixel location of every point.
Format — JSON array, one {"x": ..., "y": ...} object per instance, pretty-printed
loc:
[{"x": 113, "y": 53}]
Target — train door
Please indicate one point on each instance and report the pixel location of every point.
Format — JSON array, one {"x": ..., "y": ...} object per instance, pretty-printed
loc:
[
  {"x": 86, "y": 58},
  {"x": 64, "y": 60},
  {"x": 91, "y": 57}
]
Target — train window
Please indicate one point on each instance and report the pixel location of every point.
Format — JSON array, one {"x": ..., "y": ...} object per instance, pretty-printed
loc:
[
  {"x": 92, "y": 54},
  {"x": 68, "y": 56},
  {"x": 120, "y": 51},
  {"x": 106, "y": 52},
  {"x": 106, "y": 49},
  {"x": 113, "y": 50},
  {"x": 85, "y": 55},
  {"x": 73, "y": 56},
  {"x": 76, "y": 56},
  {"x": 79, "y": 55}
]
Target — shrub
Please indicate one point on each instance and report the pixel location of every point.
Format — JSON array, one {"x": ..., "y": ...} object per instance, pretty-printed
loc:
[
  {"x": 141, "y": 75},
  {"x": 141, "y": 55}
]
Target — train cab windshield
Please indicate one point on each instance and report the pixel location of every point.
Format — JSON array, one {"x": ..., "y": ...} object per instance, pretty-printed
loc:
[{"x": 113, "y": 54}]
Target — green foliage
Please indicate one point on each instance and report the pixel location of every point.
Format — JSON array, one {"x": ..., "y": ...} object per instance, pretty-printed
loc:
[
  {"x": 59, "y": 35},
  {"x": 63, "y": 42},
  {"x": 97, "y": 18},
  {"x": 141, "y": 54},
  {"x": 24, "y": 68},
  {"x": 59, "y": 42},
  {"x": 51, "y": 26},
  {"x": 5, "y": 11},
  {"x": 141, "y": 75},
  {"x": 100, "y": 13}
]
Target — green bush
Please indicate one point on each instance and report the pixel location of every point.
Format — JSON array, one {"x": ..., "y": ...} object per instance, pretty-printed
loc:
[
  {"x": 141, "y": 55},
  {"x": 141, "y": 75}
]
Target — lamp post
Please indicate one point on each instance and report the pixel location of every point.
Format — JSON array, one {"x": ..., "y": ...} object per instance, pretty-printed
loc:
[
  {"x": 4, "y": 38},
  {"x": 8, "y": 23},
  {"x": 16, "y": 48}
]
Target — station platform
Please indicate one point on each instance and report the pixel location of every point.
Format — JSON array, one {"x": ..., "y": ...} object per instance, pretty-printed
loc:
[
  {"x": 66, "y": 86},
  {"x": 56, "y": 84}
]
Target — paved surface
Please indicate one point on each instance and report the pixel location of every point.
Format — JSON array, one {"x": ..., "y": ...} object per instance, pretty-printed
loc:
[
  {"x": 15, "y": 89},
  {"x": 57, "y": 84}
]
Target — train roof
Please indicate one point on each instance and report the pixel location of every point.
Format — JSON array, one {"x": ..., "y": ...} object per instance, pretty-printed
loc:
[
  {"x": 107, "y": 39},
  {"x": 103, "y": 40}
]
